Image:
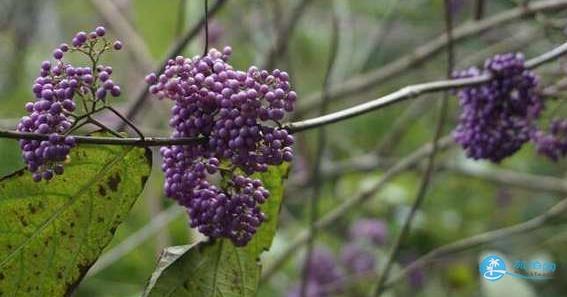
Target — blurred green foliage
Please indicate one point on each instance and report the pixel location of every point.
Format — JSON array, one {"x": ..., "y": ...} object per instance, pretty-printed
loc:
[{"x": 456, "y": 206}]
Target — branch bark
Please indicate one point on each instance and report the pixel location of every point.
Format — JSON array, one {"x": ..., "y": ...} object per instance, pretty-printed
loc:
[
  {"x": 414, "y": 91},
  {"x": 549, "y": 217},
  {"x": 294, "y": 127},
  {"x": 367, "y": 81},
  {"x": 526, "y": 181}
]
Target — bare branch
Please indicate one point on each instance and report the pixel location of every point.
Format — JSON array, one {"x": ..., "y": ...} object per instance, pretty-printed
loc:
[
  {"x": 548, "y": 217},
  {"x": 366, "y": 81},
  {"x": 321, "y": 145},
  {"x": 126, "y": 32},
  {"x": 429, "y": 169},
  {"x": 146, "y": 142},
  {"x": 414, "y": 91},
  {"x": 294, "y": 127},
  {"x": 371, "y": 162},
  {"x": 174, "y": 51},
  {"x": 478, "y": 9},
  {"x": 284, "y": 32}
]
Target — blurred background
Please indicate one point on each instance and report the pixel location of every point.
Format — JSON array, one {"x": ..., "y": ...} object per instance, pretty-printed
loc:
[{"x": 389, "y": 44}]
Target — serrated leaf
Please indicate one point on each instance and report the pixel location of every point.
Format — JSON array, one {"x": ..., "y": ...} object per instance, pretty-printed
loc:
[
  {"x": 52, "y": 232},
  {"x": 218, "y": 268}
]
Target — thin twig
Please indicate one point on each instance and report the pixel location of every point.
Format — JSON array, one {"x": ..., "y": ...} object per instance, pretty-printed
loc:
[
  {"x": 371, "y": 162},
  {"x": 370, "y": 80},
  {"x": 519, "y": 180},
  {"x": 413, "y": 91},
  {"x": 180, "y": 22},
  {"x": 321, "y": 145},
  {"x": 407, "y": 92},
  {"x": 126, "y": 120},
  {"x": 126, "y": 32},
  {"x": 398, "y": 129},
  {"x": 206, "y": 27},
  {"x": 524, "y": 36},
  {"x": 147, "y": 142},
  {"x": 385, "y": 29},
  {"x": 427, "y": 176},
  {"x": 478, "y": 9},
  {"x": 104, "y": 127},
  {"x": 175, "y": 50},
  {"x": 284, "y": 33},
  {"x": 548, "y": 217}
]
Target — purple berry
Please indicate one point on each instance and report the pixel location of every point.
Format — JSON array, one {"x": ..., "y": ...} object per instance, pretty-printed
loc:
[
  {"x": 498, "y": 117},
  {"x": 375, "y": 231},
  {"x": 100, "y": 31},
  {"x": 117, "y": 45},
  {"x": 228, "y": 107},
  {"x": 357, "y": 260}
]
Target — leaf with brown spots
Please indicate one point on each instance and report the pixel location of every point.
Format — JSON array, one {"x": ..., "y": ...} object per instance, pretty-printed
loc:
[
  {"x": 51, "y": 233},
  {"x": 218, "y": 268}
]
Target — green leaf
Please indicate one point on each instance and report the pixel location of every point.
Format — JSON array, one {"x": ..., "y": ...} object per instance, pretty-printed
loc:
[
  {"x": 52, "y": 232},
  {"x": 218, "y": 268}
]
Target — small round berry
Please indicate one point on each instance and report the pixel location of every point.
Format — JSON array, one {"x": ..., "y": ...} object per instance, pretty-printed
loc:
[
  {"x": 81, "y": 37},
  {"x": 115, "y": 91},
  {"x": 58, "y": 54},
  {"x": 46, "y": 65},
  {"x": 151, "y": 78},
  {"x": 100, "y": 93},
  {"x": 103, "y": 76},
  {"x": 100, "y": 31},
  {"x": 64, "y": 47},
  {"x": 29, "y": 106},
  {"x": 117, "y": 45}
]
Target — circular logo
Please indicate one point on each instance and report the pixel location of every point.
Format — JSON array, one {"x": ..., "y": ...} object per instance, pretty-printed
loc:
[{"x": 492, "y": 268}]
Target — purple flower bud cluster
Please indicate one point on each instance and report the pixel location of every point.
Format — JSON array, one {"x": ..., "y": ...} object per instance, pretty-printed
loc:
[
  {"x": 234, "y": 214},
  {"x": 327, "y": 275},
  {"x": 239, "y": 114},
  {"x": 498, "y": 117},
  {"x": 365, "y": 235},
  {"x": 55, "y": 89},
  {"x": 371, "y": 230},
  {"x": 416, "y": 277},
  {"x": 554, "y": 143},
  {"x": 357, "y": 259},
  {"x": 324, "y": 275}
]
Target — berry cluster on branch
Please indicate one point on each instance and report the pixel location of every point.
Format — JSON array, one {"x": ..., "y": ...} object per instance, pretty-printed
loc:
[
  {"x": 552, "y": 143},
  {"x": 56, "y": 89},
  {"x": 498, "y": 117},
  {"x": 239, "y": 115},
  {"x": 227, "y": 123}
]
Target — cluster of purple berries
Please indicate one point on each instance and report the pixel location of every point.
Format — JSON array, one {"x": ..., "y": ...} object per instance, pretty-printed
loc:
[
  {"x": 55, "y": 89},
  {"x": 327, "y": 275},
  {"x": 238, "y": 114},
  {"x": 324, "y": 275},
  {"x": 498, "y": 117},
  {"x": 554, "y": 143}
]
